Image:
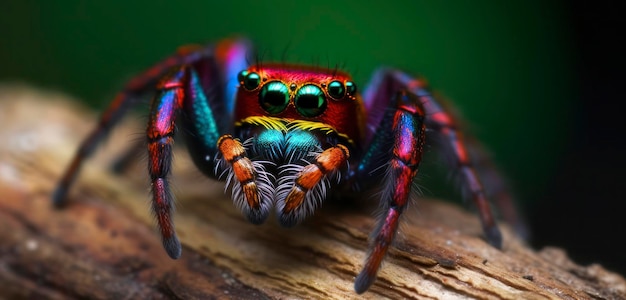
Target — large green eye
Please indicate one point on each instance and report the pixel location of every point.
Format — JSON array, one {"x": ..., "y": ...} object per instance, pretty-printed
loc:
[
  {"x": 310, "y": 101},
  {"x": 336, "y": 89},
  {"x": 274, "y": 97},
  {"x": 250, "y": 80}
]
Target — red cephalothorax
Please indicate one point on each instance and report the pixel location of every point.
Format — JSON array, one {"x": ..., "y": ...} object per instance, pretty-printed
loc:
[
  {"x": 284, "y": 137},
  {"x": 301, "y": 93}
]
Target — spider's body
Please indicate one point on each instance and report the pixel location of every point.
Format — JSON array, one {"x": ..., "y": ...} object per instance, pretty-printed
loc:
[{"x": 284, "y": 136}]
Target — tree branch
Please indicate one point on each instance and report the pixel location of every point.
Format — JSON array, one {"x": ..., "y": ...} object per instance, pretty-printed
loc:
[{"x": 103, "y": 244}]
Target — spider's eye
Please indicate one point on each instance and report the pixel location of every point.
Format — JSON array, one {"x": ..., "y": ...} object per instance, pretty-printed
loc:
[
  {"x": 310, "y": 101},
  {"x": 274, "y": 97},
  {"x": 250, "y": 80},
  {"x": 336, "y": 89},
  {"x": 350, "y": 88}
]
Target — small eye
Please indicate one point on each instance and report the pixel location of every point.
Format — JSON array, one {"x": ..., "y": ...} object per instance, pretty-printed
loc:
[
  {"x": 274, "y": 97},
  {"x": 250, "y": 80},
  {"x": 336, "y": 89},
  {"x": 310, "y": 101},
  {"x": 350, "y": 88}
]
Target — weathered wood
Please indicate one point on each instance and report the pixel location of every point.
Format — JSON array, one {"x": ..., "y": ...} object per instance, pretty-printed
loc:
[{"x": 103, "y": 244}]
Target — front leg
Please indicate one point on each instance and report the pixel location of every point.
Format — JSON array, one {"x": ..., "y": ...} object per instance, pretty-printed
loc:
[
  {"x": 122, "y": 103},
  {"x": 228, "y": 55},
  {"x": 182, "y": 93},
  {"x": 404, "y": 129},
  {"x": 160, "y": 133}
]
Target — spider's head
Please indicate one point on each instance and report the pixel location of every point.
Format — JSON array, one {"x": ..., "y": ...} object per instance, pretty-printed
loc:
[
  {"x": 293, "y": 92},
  {"x": 298, "y": 126}
]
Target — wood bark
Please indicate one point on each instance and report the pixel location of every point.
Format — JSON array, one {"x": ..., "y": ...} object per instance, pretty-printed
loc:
[{"x": 103, "y": 245}]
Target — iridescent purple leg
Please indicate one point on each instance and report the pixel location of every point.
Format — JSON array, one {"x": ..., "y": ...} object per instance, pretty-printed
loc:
[
  {"x": 188, "y": 87},
  {"x": 124, "y": 100},
  {"x": 441, "y": 122},
  {"x": 404, "y": 122},
  {"x": 181, "y": 91},
  {"x": 451, "y": 140}
]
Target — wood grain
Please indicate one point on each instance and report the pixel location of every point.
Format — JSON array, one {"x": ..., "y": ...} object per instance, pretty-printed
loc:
[{"x": 103, "y": 245}]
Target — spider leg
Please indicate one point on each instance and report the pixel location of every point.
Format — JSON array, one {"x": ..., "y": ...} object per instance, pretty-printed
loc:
[
  {"x": 160, "y": 133},
  {"x": 443, "y": 123},
  {"x": 406, "y": 133},
  {"x": 496, "y": 187},
  {"x": 451, "y": 139},
  {"x": 190, "y": 85},
  {"x": 193, "y": 93},
  {"x": 122, "y": 102},
  {"x": 180, "y": 94}
]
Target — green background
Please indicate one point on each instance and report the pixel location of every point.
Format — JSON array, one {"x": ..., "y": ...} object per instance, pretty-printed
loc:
[{"x": 505, "y": 64}]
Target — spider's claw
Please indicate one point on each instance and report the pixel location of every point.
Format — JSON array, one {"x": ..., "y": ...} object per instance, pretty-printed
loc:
[
  {"x": 172, "y": 246},
  {"x": 288, "y": 220},
  {"x": 493, "y": 236},
  {"x": 363, "y": 281},
  {"x": 58, "y": 197},
  {"x": 257, "y": 216}
]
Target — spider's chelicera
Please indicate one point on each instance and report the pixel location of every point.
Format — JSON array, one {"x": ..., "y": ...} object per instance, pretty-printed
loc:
[{"x": 284, "y": 136}]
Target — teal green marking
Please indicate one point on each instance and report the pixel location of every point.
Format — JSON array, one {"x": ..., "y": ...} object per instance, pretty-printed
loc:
[
  {"x": 204, "y": 121},
  {"x": 269, "y": 138},
  {"x": 298, "y": 140}
]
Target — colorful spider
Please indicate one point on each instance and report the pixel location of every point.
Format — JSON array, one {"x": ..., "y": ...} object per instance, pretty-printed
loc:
[{"x": 283, "y": 136}]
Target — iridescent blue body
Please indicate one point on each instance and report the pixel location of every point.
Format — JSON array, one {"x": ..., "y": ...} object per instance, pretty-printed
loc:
[{"x": 285, "y": 136}]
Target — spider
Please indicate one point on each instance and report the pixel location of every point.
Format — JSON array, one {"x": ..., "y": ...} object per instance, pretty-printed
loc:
[{"x": 284, "y": 136}]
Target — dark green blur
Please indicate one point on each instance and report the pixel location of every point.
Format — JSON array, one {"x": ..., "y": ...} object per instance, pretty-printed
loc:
[{"x": 504, "y": 63}]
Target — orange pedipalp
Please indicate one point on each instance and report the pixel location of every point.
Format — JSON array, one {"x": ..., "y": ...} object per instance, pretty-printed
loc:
[
  {"x": 234, "y": 153},
  {"x": 329, "y": 160}
]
